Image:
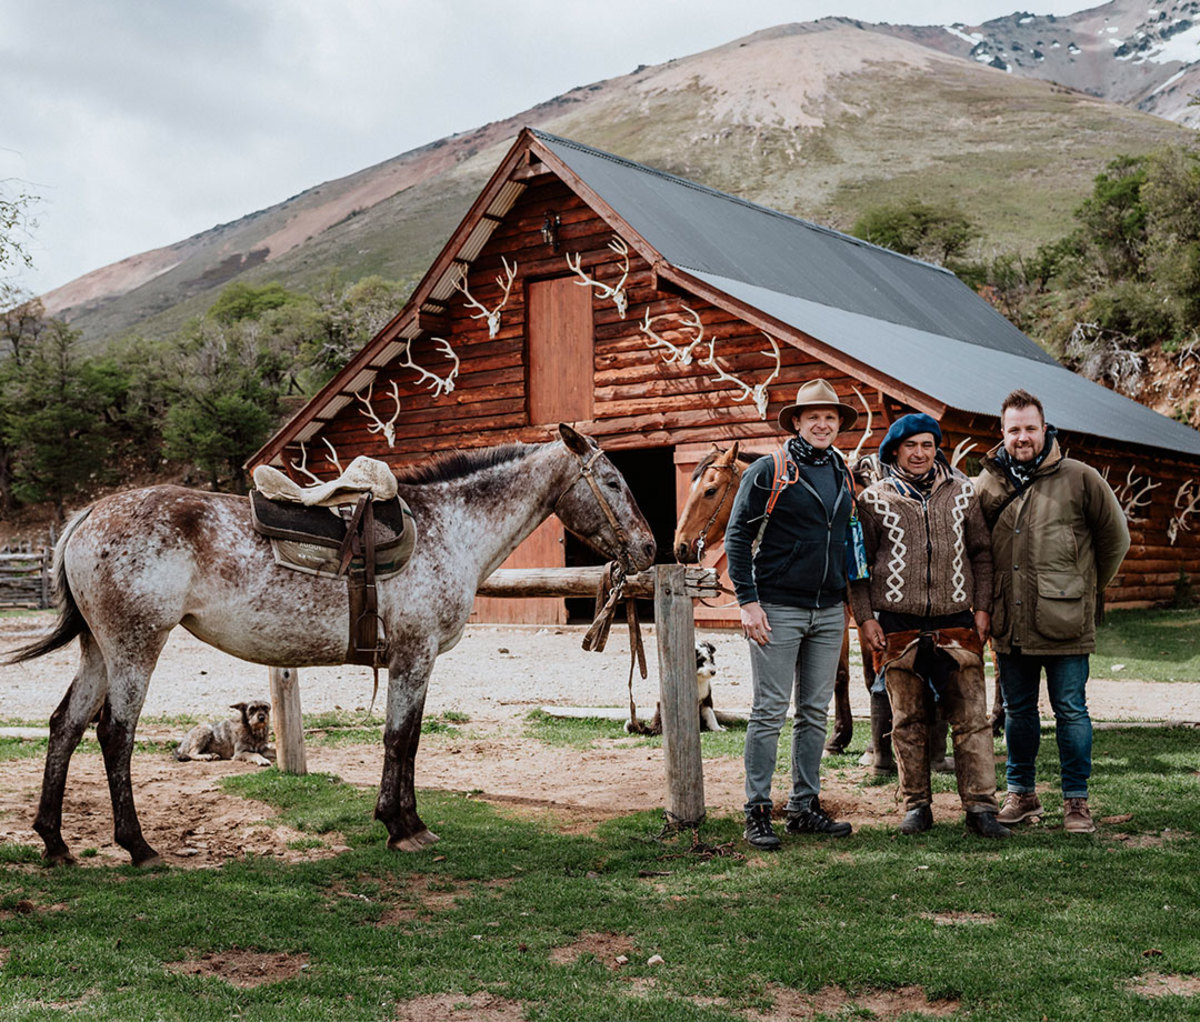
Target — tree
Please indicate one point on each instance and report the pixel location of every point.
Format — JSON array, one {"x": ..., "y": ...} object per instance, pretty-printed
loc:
[
  {"x": 221, "y": 411},
  {"x": 937, "y": 234},
  {"x": 1114, "y": 218},
  {"x": 15, "y": 225},
  {"x": 53, "y": 421}
]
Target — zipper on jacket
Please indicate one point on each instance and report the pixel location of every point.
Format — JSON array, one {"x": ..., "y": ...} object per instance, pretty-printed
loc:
[
  {"x": 928, "y": 560},
  {"x": 830, "y": 514}
]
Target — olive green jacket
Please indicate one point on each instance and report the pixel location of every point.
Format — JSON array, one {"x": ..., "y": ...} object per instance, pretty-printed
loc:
[{"x": 1054, "y": 550}]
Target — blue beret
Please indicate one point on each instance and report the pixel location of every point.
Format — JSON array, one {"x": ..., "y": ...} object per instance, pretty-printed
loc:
[{"x": 903, "y": 428}]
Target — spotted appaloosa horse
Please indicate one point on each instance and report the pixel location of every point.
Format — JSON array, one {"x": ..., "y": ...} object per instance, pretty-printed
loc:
[
  {"x": 702, "y": 522},
  {"x": 133, "y": 566}
]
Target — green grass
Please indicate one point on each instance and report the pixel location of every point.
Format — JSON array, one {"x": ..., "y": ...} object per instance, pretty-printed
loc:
[
  {"x": 1069, "y": 917},
  {"x": 1154, "y": 645}
]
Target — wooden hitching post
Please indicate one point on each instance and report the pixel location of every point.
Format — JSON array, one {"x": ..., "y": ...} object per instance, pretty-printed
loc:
[
  {"x": 677, "y": 693},
  {"x": 287, "y": 720}
]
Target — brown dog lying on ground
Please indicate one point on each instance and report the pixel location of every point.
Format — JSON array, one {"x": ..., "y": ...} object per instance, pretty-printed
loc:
[
  {"x": 243, "y": 737},
  {"x": 706, "y": 670}
]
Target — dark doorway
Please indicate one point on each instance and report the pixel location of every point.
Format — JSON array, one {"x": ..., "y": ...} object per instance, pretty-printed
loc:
[{"x": 651, "y": 476}]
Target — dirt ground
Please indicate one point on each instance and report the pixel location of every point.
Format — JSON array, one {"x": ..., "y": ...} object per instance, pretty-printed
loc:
[{"x": 496, "y": 676}]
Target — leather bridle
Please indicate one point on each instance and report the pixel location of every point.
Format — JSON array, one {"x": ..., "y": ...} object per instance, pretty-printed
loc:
[
  {"x": 588, "y": 473},
  {"x": 735, "y": 470}
]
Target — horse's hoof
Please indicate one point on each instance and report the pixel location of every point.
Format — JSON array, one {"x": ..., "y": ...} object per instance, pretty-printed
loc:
[
  {"x": 414, "y": 842},
  {"x": 59, "y": 859},
  {"x": 147, "y": 861}
]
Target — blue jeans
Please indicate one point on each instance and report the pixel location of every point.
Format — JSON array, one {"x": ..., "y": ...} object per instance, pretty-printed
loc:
[
  {"x": 799, "y": 662},
  {"x": 1066, "y": 684}
]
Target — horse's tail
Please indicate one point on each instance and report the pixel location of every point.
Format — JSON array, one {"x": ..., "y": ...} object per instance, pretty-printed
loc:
[{"x": 70, "y": 621}]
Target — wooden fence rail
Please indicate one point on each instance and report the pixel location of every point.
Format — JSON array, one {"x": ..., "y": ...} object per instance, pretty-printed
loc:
[
  {"x": 672, "y": 587},
  {"x": 25, "y": 579}
]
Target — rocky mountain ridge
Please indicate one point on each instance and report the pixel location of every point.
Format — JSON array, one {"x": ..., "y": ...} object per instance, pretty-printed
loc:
[{"x": 802, "y": 118}]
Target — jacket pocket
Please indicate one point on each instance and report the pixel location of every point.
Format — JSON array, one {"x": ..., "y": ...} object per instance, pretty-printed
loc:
[{"x": 1062, "y": 605}]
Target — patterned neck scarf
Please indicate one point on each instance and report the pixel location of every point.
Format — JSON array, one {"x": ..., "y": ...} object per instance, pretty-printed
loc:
[
  {"x": 914, "y": 486},
  {"x": 1020, "y": 473},
  {"x": 802, "y": 451}
]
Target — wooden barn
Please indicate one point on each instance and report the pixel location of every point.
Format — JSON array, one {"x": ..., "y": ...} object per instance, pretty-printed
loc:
[{"x": 661, "y": 317}]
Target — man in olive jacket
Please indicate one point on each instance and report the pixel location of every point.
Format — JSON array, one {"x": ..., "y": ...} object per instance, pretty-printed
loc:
[{"x": 1058, "y": 538}]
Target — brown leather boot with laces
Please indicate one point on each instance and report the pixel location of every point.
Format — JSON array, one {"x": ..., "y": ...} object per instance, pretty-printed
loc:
[
  {"x": 1077, "y": 817},
  {"x": 1018, "y": 806}
]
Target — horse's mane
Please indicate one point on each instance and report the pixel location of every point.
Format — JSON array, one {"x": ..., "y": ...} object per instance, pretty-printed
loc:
[
  {"x": 745, "y": 457},
  {"x": 459, "y": 464}
]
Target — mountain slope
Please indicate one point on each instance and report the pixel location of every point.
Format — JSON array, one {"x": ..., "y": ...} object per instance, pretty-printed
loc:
[
  {"x": 803, "y": 118},
  {"x": 1141, "y": 55}
]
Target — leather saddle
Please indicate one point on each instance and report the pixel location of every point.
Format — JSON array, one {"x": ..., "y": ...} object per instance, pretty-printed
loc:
[{"x": 371, "y": 542}]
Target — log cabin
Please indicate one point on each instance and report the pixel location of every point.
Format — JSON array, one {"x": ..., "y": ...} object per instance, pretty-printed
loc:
[{"x": 661, "y": 316}]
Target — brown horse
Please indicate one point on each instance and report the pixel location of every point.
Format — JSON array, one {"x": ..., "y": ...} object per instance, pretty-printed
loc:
[
  {"x": 133, "y": 566},
  {"x": 701, "y": 524}
]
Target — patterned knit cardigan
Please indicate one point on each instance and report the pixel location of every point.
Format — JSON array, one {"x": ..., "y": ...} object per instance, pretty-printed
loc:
[{"x": 926, "y": 558}]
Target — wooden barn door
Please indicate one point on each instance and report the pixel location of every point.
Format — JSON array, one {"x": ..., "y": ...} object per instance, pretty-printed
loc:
[{"x": 559, "y": 364}]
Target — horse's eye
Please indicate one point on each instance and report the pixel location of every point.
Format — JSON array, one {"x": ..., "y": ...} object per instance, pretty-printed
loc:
[{"x": 710, "y": 492}]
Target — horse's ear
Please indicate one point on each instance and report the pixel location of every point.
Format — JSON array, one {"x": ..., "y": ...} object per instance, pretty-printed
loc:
[
  {"x": 575, "y": 440},
  {"x": 733, "y": 451}
]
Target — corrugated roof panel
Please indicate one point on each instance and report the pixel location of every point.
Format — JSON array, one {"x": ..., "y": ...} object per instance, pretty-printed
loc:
[
  {"x": 969, "y": 377},
  {"x": 695, "y": 226}
]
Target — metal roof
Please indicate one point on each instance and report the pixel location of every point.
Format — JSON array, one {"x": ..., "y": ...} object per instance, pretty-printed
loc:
[
  {"x": 913, "y": 321},
  {"x": 969, "y": 377}
]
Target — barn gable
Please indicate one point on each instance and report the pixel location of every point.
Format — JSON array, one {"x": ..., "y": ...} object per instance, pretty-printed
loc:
[{"x": 661, "y": 316}]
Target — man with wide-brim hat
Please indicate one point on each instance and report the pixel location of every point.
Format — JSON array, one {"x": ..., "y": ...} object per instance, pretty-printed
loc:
[{"x": 787, "y": 565}]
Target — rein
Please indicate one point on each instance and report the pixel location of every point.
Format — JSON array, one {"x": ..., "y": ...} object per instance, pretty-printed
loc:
[{"x": 612, "y": 589}]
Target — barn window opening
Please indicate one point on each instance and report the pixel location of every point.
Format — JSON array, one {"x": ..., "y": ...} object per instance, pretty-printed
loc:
[{"x": 649, "y": 473}]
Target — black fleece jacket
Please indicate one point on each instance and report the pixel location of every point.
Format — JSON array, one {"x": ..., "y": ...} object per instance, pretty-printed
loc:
[{"x": 801, "y": 561}]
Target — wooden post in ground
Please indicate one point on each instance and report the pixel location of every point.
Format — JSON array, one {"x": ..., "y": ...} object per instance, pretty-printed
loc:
[
  {"x": 677, "y": 693},
  {"x": 287, "y": 720}
]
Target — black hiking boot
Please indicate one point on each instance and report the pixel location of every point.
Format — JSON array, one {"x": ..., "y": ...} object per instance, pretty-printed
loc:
[
  {"x": 917, "y": 821},
  {"x": 813, "y": 820},
  {"x": 759, "y": 832},
  {"x": 986, "y": 825}
]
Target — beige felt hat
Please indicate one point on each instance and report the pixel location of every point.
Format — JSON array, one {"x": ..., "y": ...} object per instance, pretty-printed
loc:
[{"x": 817, "y": 392}]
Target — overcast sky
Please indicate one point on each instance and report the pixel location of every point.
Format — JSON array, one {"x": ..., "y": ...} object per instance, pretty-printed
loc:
[{"x": 141, "y": 122}]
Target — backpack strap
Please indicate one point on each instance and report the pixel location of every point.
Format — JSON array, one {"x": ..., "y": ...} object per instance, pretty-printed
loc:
[{"x": 784, "y": 472}]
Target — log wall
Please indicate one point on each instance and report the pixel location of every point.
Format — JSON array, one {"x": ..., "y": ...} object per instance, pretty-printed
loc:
[{"x": 644, "y": 399}]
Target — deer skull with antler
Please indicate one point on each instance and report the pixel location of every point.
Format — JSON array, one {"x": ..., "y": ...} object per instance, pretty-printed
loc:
[
  {"x": 1187, "y": 500},
  {"x": 388, "y": 429},
  {"x": 439, "y": 384},
  {"x": 614, "y": 291},
  {"x": 491, "y": 315}
]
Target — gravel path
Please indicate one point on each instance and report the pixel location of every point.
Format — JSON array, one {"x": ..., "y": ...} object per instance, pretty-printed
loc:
[{"x": 496, "y": 672}]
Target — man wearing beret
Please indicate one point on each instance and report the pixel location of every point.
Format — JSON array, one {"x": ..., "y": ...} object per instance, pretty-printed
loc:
[{"x": 924, "y": 614}]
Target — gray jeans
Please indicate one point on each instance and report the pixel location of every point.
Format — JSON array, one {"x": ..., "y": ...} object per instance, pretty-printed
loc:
[{"x": 800, "y": 663}]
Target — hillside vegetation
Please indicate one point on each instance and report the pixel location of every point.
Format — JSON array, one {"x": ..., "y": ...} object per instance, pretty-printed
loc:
[{"x": 802, "y": 118}]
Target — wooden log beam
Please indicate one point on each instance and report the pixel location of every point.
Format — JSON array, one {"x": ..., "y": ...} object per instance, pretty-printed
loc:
[
  {"x": 677, "y": 696},
  {"x": 584, "y": 581},
  {"x": 287, "y": 721}
]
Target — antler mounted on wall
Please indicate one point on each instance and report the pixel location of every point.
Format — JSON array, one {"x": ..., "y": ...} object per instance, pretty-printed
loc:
[
  {"x": 614, "y": 291},
  {"x": 1187, "y": 500},
  {"x": 388, "y": 429},
  {"x": 331, "y": 457},
  {"x": 961, "y": 450},
  {"x": 866, "y": 429},
  {"x": 683, "y": 355},
  {"x": 440, "y": 384},
  {"x": 491, "y": 315},
  {"x": 758, "y": 392},
  {"x": 1133, "y": 494}
]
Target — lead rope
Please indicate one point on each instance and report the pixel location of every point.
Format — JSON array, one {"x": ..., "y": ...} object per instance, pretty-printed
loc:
[{"x": 612, "y": 589}]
